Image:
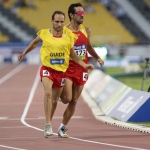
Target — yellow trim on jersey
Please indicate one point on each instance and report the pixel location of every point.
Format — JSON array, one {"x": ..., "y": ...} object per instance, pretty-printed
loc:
[
  {"x": 55, "y": 52},
  {"x": 83, "y": 30}
]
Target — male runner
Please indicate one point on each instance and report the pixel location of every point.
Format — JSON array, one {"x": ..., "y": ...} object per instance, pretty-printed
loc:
[{"x": 76, "y": 76}]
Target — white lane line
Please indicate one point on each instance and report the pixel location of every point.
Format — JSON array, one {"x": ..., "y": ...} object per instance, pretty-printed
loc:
[
  {"x": 3, "y": 118},
  {"x": 56, "y": 117},
  {"x": 35, "y": 84},
  {"x": 60, "y": 117},
  {"x": 14, "y": 127},
  {"x": 10, "y": 74},
  {"x": 25, "y": 137},
  {"x": 6, "y": 77},
  {"x": 11, "y": 147},
  {"x": 12, "y": 103}
]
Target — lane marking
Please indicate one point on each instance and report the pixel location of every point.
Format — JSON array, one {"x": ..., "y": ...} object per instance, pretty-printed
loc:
[
  {"x": 10, "y": 74},
  {"x": 3, "y": 118},
  {"x": 38, "y": 118},
  {"x": 60, "y": 117},
  {"x": 11, "y": 147},
  {"x": 27, "y": 137},
  {"x": 14, "y": 127},
  {"x": 12, "y": 103},
  {"x": 3, "y": 79},
  {"x": 35, "y": 84}
]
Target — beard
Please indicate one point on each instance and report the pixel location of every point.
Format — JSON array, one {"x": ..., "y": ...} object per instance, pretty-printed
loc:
[
  {"x": 58, "y": 29},
  {"x": 79, "y": 21}
]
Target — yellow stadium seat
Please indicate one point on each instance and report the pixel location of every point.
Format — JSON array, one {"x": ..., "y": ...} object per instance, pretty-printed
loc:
[
  {"x": 3, "y": 38},
  {"x": 104, "y": 26},
  {"x": 147, "y": 2}
]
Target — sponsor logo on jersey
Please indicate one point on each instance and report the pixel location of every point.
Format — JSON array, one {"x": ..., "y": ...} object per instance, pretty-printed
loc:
[
  {"x": 57, "y": 61},
  {"x": 79, "y": 47}
]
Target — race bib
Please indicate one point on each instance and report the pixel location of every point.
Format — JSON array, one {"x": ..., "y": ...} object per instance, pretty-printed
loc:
[
  {"x": 46, "y": 73},
  {"x": 63, "y": 82},
  {"x": 85, "y": 76},
  {"x": 80, "y": 50}
]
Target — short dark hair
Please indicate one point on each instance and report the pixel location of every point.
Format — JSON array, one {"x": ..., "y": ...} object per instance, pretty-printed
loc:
[
  {"x": 71, "y": 9},
  {"x": 57, "y": 12}
]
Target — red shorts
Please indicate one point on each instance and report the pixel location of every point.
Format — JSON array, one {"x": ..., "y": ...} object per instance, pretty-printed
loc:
[
  {"x": 78, "y": 76},
  {"x": 58, "y": 77}
]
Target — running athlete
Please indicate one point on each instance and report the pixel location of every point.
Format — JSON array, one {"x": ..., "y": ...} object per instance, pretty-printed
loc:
[
  {"x": 76, "y": 76},
  {"x": 57, "y": 46}
]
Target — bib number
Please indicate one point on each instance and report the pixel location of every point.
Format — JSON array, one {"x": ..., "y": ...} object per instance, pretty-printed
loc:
[{"x": 81, "y": 52}]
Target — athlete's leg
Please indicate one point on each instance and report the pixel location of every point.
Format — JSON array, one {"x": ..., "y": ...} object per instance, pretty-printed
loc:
[
  {"x": 47, "y": 84},
  {"x": 66, "y": 94},
  {"x": 56, "y": 92},
  {"x": 76, "y": 92},
  {"x": 50, "y": 97}
]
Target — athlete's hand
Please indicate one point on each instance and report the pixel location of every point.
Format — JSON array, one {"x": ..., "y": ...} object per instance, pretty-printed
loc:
[
  {"x": 21, "y": 56},
  {"x": 89, "y": 66},
  {"x": 100, "y": 61}
]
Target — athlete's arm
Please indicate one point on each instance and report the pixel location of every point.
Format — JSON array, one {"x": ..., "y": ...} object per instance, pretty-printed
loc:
[
  {"x": 77, "y": 59},
  {"x": 91, "y": 50},
  {"x": 30, "y": 47}
]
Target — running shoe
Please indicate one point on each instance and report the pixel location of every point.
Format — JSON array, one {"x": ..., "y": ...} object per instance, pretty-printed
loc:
[
  {"x": 62, "y": 132},
  {"x": 48, "y": 131}
]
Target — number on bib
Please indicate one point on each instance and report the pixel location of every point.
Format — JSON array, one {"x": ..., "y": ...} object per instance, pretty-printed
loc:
[{"x": 81, "y": 52}]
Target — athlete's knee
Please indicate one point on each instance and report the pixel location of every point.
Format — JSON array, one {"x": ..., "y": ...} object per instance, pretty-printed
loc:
[
  {"x": 48, "y": 95},
  {"x": 65, "y": 99},
  {"x": 73, "y": 102},
  {"x": 54, "y": 102}
]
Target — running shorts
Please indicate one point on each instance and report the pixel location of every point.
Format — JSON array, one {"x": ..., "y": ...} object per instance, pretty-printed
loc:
[
  {"x": 58, "y": 77},
  {"x": 78, "y": 76}
]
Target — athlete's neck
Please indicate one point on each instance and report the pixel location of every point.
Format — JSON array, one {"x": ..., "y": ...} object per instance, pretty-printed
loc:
[
  {"x": 74, "y": 26},
  {"x": 55, "y": 33}
]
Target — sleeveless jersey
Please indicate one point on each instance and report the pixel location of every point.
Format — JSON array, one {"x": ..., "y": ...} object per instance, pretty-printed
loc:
[
  {"x": 80, "y": 47},
  {"x": 55, "y": 52}
]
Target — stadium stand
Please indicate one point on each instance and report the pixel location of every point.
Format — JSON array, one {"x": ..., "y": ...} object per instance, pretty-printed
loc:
[
  {"x": 102, "y": 31},
  {"x": 147, "y": 2},
  {"x": 143, "y": 7},
  {"x": 106, "y": 28},
  {"x": 12, "y": 37},
  {"x": 17, "y": 21},
  {"x": 129, "y": 24},
  {"x": 3, "y": 38},
  {"x": 41, "y": 16}
]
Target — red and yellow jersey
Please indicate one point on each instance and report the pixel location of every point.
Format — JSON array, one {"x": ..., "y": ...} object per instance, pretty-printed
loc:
[
  {"x": 55, "y": 52},
  {"x": 80, "y": 46}
]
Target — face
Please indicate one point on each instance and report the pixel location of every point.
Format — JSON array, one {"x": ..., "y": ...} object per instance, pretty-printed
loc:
[
  {"x": 58, "y": 22},
  {"x": 79, "y": 15}
]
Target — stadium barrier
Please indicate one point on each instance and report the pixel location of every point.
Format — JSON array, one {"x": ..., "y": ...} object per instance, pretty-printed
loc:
[
  {"x": 117, "y": 100},
  {"x": 10, "y": 50}
]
